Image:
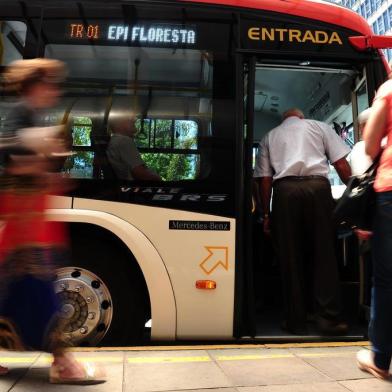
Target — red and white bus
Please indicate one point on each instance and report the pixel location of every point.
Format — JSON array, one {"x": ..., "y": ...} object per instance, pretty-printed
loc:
[{"x": 206, "y": 80}]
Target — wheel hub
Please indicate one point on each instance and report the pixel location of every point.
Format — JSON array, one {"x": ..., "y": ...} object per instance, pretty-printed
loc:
[
  {"x": 67, "y": 311},
  {"x": 86, "y": 305}
]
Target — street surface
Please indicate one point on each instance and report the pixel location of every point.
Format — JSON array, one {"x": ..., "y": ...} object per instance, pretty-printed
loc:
[{"x": 261, "y": 368}]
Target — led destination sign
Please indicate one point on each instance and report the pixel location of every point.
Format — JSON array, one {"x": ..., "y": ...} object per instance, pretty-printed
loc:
[
  {"x": 294, "y": 35},
  {"x": 137, "y": 34}
]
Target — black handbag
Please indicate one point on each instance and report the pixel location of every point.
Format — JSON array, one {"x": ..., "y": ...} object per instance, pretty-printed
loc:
[{"x": 356, "y": 207}]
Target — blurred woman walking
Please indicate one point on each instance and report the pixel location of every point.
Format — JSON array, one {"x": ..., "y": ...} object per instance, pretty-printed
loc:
[
  {"x": 379, "y": 125},
  {"x": 30, "y": 245}
]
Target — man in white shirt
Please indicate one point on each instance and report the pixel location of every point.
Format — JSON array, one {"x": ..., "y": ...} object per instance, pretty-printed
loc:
[
  {"x": 293, "y": 159},
  {"x": 123, "y": 154}
]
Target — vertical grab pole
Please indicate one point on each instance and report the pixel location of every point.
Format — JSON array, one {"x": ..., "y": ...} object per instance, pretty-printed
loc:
[
  {"x": 244, "y": 321},
  {"x": 248, "y": 177}
]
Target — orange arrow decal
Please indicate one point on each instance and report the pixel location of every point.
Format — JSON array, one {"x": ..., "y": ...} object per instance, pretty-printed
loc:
[{"x": 217, "y": 255}]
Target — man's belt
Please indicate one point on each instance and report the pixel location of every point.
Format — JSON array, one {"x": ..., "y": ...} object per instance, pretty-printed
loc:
[{"x": 301, "y": 178}]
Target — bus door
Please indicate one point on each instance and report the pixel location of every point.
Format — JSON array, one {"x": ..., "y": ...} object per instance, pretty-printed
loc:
[{"x": 334, "y": 93}]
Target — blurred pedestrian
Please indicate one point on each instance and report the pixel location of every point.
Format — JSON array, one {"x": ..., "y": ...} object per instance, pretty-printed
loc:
[
  {"x": 379, "y": 125},
  {"x": 30, "y": 245}
]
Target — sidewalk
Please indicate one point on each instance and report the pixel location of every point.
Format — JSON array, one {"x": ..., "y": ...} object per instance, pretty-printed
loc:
[{"x": 207, "y": 369}]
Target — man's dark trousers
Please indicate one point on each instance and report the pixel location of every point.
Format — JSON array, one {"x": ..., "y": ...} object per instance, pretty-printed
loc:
[{"x": 303, "y": 231}]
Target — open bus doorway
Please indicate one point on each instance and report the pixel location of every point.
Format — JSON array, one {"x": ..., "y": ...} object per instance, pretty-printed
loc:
[{"x": 334, "y": 94}]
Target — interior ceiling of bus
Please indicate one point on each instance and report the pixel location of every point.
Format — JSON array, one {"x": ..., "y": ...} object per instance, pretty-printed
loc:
[
  {"x": 155, "y": 82},
  {"x": 321, "y": 94},
  {"x": 149, "y": 65}
]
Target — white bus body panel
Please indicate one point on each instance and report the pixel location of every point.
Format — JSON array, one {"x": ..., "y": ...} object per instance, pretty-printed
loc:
[
  {"x": 201, "y": 314},
  {"x": 163, "y": 307},
  {"x": 60, "y": 202}
]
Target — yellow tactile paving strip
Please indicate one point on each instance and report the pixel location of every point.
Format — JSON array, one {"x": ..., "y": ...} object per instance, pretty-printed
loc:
[
  {"x": 45, "y": 359},
  {"x": 224, "y": 346}
]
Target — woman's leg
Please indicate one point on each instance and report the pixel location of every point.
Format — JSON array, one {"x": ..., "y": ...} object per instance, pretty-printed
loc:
[
  {"x": 67, "y": 365},
  {"x": 66, "y": 369},
  {"x": 381, "y": 317}
]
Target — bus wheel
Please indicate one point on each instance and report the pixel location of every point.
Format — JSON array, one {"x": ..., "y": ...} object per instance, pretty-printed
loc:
[
  {"x": 86, "y": 305},
  {"x": 102, "y": 303}
]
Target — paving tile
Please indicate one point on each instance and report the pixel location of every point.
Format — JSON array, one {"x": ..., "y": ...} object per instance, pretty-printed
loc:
[
  {"x": 323, "y": 351},
  {"x": 248, "y": 354},
  {"x": 7, "y": 381},
  {"x": 174, "y": 376},
  {"x": 339, "y": 367},
  {"x": 271, "y": 371},
  {"x": 368, "y": 385},
  {"x": 166, "y": 354},
  {"x": 19, "y": 363},
  {"x": 211, "y": 390},
  {"x": 314, "y": 387},
  {"x": 316, "y": 369},
  {"x": 36, "y": 379}
]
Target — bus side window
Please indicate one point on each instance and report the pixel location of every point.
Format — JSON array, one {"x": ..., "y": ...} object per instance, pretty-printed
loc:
[
  {"x": 169, "y": 147},
  {"x": 173, "y": 110}
]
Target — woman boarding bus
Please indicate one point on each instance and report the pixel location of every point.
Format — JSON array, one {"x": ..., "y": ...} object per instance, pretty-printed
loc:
[{"x": 205, "y": 81}]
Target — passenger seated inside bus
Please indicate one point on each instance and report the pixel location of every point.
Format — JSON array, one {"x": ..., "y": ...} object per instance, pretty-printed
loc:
[{"x": 123, "y": 155}]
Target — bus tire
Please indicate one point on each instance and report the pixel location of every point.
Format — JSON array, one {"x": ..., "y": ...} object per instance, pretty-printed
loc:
[{"x": 114, "y": 269}]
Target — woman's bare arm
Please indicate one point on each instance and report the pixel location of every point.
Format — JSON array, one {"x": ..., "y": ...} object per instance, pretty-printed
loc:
[{"x": 376, "y": 128}]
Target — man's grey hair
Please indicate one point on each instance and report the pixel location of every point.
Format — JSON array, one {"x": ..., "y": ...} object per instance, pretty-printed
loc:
[
  {"x": 363, "y": 117},
  {"x": 293, "y": 112},
  {"x": 117, "y": 122}
]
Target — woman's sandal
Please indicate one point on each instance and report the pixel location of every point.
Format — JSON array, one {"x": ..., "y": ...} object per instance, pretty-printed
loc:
[
  {"x": 92, "y": 375},
  {"x": 4, "y": 370},
  {"x": 365, "y": 361}
]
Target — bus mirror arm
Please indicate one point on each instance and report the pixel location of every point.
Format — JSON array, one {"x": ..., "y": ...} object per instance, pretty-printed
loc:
[{"x": 364, "y": 42}]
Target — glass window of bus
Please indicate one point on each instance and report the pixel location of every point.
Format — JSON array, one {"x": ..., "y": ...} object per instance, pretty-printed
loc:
[
  {"x": 180, "y": 135},
  {"x": 164, "y": 133},
  {"x": 150, "y": 63},
  {"x": 81, "y": 131},
  {"x": 147, "y": 84}
]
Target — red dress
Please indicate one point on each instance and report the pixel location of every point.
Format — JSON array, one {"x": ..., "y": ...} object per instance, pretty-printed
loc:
[
  {"x": 29, "y": 247},
  {"x": 25, "y": 225}
]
